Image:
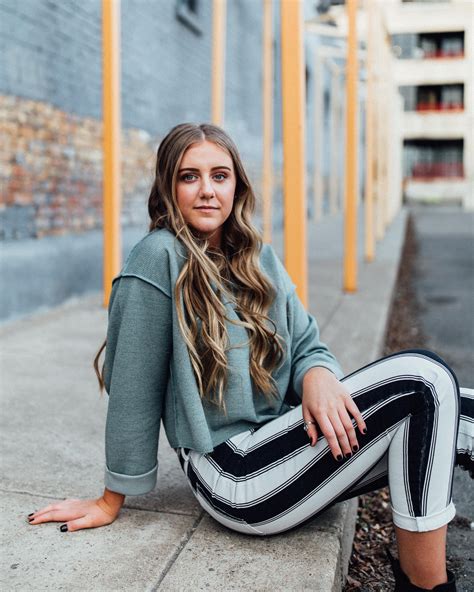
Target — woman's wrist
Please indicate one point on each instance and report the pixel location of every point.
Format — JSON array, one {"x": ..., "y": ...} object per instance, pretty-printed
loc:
[
  {"x": 316, "y": 371},
  {"x": 113, "y": 500}
]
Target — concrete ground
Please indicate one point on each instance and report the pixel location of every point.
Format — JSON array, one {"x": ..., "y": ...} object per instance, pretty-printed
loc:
[
  {"x": 52, "y": 427},
  {"x": 444, "y": 285}
]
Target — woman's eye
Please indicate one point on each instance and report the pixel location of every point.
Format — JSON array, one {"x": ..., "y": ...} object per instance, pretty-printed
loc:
[
  {"x": 184, "y": 177},
  {"x": 221, "y": 175}
]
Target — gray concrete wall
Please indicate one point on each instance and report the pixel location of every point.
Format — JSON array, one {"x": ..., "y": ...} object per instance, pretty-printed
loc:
[{"x": 37, "y": 275}]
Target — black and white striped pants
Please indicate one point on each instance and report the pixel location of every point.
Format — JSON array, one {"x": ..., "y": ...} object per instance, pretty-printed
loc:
[{"x": 420, "y": 424}]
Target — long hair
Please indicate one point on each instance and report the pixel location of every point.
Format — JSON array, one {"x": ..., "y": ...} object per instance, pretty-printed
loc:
[{"x": 210, "y": 273}]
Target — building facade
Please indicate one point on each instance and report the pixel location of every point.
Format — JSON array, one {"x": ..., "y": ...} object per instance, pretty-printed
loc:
[{"x": 433, "y": 45}]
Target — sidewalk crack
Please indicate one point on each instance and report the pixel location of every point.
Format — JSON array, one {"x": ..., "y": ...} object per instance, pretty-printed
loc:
[{"x": 184, "y": 541}]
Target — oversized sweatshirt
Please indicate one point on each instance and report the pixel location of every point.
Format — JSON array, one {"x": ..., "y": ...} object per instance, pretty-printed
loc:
[{"x": 148, "y": 373}]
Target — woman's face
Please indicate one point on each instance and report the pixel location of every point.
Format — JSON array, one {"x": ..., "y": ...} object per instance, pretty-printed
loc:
[{"x": 205, "y": 188}]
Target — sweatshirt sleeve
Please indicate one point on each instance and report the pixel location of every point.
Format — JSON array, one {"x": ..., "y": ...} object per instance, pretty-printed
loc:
[
  {"x": 307, "y": 351},
  {"x": 136, "y": 375}
]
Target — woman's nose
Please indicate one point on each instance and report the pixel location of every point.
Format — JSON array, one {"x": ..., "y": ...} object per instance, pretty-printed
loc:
[{"x": 206, "y": 187}]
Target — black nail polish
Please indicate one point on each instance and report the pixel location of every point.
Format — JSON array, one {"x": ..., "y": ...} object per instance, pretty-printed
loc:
[
  {"x": 339, "y": 457},
  {"x": 63, "y": 528},
  {"x": 355, "y": 448},
  {"x": 30, "y": 518},
  {"x": 348, "y": 455},
  {"x": 30, "y": 514},
  {"x": 364, "y": 431}
]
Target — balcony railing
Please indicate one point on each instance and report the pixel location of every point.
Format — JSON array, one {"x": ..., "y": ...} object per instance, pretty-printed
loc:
[
  {"x": 451, "y": 107},
  {"x": 437, "y": 170},
  {"x": 442, "y": 54}
]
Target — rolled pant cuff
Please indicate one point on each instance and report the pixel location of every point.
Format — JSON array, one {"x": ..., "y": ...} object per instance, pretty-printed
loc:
[{"x": 424, "y": 523}]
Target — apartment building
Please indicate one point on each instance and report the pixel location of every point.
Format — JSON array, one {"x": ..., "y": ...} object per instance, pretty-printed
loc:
[{"x": 432, "y": 43}]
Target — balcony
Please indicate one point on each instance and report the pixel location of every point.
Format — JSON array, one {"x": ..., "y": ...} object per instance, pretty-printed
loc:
[
  {"x": 433, "y": 160},
  {"x": 430, "y": 72},
  {"x": 442, "y": 124}
]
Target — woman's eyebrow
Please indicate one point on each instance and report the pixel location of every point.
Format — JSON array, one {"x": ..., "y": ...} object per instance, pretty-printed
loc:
[{"x": 194, "y": 169}]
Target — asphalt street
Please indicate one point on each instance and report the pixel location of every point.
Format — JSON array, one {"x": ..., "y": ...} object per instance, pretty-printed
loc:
[{"x": 444, "y": 286}]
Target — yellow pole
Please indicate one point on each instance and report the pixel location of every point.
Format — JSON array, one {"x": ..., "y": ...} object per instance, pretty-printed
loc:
[
  {"x": 369, "y": 139},
  {"x": 111, "y": 143},
  {"x": 218, "y": 60},
  {"x": 351, "y": 182},
  {"x": 267, "y": 121},
  {"x": 293, "y": 111}
]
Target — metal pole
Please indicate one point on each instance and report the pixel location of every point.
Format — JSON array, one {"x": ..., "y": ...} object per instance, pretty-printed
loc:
[
  {"x": 351, "y": 182},
  {"x": 267, "y": 185},
  {"x": 218, "y": 60},
  {"x": 111, "y": 142},
  {"x": 294, "y": 184}
]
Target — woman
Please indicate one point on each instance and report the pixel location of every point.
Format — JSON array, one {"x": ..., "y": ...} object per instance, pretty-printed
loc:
[{"x": 206, "y": 333}]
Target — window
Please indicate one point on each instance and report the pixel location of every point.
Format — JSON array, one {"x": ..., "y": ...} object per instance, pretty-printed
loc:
[
  {"x": 427, "y": 160},
  {"x": 429, "y": 45},
  {"x": 440, "y": 97}
]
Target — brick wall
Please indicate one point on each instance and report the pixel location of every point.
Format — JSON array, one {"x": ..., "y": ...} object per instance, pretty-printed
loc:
[{"x": 50, "y": 103}]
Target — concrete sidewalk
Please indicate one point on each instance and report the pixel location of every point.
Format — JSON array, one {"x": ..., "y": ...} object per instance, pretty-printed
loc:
[{"x": 52, "y": 430}]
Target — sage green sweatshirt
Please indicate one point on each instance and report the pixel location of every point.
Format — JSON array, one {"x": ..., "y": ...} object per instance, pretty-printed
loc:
[{"x": 148, "y": 373}]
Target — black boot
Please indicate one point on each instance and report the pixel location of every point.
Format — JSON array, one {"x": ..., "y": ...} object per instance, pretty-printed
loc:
[{"x": 403, "y": 584}]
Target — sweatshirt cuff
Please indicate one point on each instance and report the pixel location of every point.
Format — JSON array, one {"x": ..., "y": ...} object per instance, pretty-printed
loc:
[
  {"x": 299, "y": 375},
  {"x": 131, "y": 484}
]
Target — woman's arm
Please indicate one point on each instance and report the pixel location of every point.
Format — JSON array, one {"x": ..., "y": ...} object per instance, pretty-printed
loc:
[
  {"x": 136, "y": 373},
  {"x": 136, "y": 376}
]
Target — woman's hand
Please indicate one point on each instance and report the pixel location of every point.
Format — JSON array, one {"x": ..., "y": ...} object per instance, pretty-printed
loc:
[
  {"x": 328, "y": 402},
  {"x": 78, "y": 514}
]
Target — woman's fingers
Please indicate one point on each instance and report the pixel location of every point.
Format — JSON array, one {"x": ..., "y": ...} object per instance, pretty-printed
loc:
[
  {"x": 310, "y": 428},
  {"x": 60, "y": 515},
  {"x": 349, "y": 428},
  {"x": 64, "y": 510},
  {"x": 356, "y": 414},
  {"x": 80, "y": 523},
  {"x": 331, "y": 437},
  {"x": 340, "y": 434},
  {"x": 45, "y": 510},
  {"x": 62, "y": 505}
]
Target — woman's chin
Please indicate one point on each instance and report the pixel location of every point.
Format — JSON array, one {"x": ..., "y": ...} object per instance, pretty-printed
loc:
[{"x": 203, "y": 231}]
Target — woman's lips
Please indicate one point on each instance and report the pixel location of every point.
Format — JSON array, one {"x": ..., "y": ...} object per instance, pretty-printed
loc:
[{"x": 206, "y": 209}]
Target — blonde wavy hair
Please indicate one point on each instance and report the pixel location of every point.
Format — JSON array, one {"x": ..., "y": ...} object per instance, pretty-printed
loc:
[{"x": 232, "y": 269}]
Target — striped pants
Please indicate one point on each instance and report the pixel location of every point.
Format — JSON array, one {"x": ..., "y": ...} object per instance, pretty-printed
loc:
[{"x": 420, "y": 424}]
